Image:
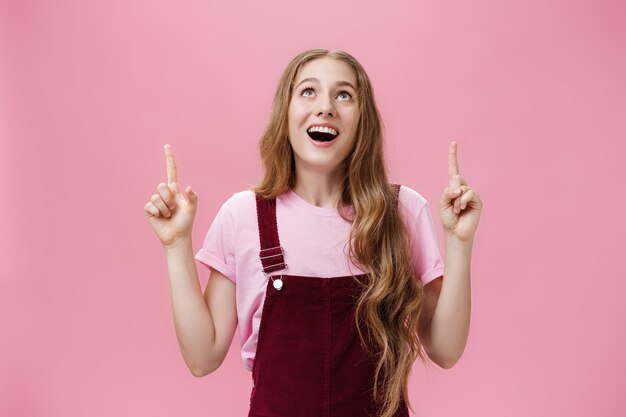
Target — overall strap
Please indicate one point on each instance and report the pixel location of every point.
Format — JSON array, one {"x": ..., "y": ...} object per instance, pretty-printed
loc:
[{"x": 271, "y": 253}]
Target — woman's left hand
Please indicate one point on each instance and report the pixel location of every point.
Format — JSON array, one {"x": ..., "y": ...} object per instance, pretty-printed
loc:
[{"x": 460, "y": 205}]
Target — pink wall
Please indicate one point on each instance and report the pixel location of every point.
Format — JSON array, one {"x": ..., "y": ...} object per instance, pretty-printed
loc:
[{"x": 534, "y": 92}]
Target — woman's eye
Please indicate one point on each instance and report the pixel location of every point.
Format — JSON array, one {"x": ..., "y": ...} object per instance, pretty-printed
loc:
[
  {"x": 305, "y": 90},
  {"x": 346, "y": 93}
]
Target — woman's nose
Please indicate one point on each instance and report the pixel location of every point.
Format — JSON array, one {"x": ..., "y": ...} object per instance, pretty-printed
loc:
[{"x": 325, "y": 106}]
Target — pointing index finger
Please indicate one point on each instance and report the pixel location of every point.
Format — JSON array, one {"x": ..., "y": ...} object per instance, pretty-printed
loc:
[
  {"x": 171, "y": 164},
  {"x": 453, "y": 165}
]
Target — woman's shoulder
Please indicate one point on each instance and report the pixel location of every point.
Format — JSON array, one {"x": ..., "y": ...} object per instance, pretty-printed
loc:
[
  {"x": 411, "y": 200},
  {"x": 408, "y": 194},
  {"x": 240, "y": 201}
]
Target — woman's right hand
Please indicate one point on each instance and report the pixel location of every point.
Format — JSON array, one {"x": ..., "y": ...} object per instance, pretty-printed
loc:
[{"x": 169, "y": 212}]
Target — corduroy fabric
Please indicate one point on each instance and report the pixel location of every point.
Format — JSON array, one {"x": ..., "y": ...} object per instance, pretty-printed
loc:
[{"x": 309, "y": 360}]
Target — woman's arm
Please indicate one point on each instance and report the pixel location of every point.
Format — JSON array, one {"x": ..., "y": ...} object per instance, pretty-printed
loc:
[
  {"x": 448, "y": 306},
  {"x": 460, "y": 209},
  {"x": 204, "y": 325}
]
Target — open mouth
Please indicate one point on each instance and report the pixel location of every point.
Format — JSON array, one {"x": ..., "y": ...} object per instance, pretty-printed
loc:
[{"x": 322, "y": 135}]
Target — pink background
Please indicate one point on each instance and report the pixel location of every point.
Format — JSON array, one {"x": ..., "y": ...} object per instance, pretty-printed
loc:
[{"x": 534, "y": 92}]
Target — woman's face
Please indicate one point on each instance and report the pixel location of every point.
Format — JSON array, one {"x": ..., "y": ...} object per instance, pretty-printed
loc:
[{"x": 324, "y": 94}]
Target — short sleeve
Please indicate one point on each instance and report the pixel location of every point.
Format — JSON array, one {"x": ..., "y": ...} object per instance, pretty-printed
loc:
[
  {"x": 425, "y": 252},
  {"x": 429, "y": 263},
  {"x": 217, "y": 250}
]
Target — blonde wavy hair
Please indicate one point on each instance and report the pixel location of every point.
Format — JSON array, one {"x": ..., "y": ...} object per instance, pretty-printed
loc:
[{"x": 391, "y": 303}]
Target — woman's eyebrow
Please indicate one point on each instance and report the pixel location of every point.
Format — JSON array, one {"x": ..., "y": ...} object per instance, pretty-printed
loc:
[{"x": 338, "y": 82}]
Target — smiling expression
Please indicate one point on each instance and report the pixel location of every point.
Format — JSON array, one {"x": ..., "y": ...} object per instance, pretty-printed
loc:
[{"x": 324, "y": 95}]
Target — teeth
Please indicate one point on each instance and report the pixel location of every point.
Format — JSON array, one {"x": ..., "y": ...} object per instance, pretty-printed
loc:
[{"x": 323, "y": 129}]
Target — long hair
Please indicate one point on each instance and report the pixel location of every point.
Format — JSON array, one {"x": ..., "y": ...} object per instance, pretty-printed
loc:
[{"x": 391, "y": 303}]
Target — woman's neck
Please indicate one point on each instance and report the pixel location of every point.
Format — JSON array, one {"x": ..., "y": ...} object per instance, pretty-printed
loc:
[{"x": 322, "y": 189}]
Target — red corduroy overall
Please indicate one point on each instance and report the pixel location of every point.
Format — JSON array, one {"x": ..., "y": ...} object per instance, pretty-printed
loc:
[{"x": 309, "y": 360}]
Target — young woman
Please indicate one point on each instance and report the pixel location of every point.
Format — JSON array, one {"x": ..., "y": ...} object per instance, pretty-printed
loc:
[{"x": 332, "y": 272}]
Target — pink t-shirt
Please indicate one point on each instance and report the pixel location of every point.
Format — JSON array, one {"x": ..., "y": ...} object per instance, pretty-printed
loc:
[{"x": 314, "y": 240}]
